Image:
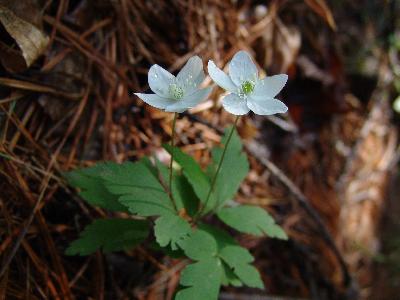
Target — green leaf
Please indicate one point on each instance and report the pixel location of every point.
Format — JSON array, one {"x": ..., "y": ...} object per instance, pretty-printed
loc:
[
  {"x": 221, "y": 237},
  {"x": 203, "y": 279},
  {"x": 233, "y": 170},
  {"x": 92, "y": 188},
  {"x": 200, "y": 245},
  {"x": 152, "y": 168},
  {"x": 137, "y": 187},
  {"x": 239, "y": 259},
  {"x": 192, "y": 171},
  {"x": 181, "y": 189},
  {"x": 146, "y": 202},
  {"x": 208, "y": 242},
  {"x": 184, "y": 195},
  {"x": 163, "y": 172},
  {"x": 249, "y": 275},
  {"x": 129, "y": 174},
  {"x": 109, "y": 235},
  {"x": 228, "y": 277},
  {"x": 251, "y": 219},
  {"x": 171, "y": 229},
  {"x": 235, "y": 256}
]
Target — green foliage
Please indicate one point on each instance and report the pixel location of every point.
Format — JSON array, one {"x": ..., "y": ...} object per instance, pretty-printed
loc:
[
  {"x": 236, "y": 257},
  {"x": 251, "y": 219},
  {"x": 142, "y": 188},
  {"x": 200, "y": 245},
  {"x": 215, "y": 251},
  {"x": 184, "y": 195},
  {"x": 202, "y": 280},
  {"x": 138, "y": 189},
  {"x": 233, "y": 170},
  {"x": 145, "y": 202},
  {"x": 171, "y": 229},
  {"x": 136, "y": 186},
  {"x": 228, "y": 277},
  {"x": 92, "y": 187},
  {"x": 204, "y": 277},
  {"x": 239, "y": 260},
  {"x": 193, "y": 172},
  {"x": 182, "y": 191},
  {"x": 109, "y": 235}
]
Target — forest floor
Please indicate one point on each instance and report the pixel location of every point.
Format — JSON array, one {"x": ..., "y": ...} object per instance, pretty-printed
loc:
[{"x": 327, "y": 171}]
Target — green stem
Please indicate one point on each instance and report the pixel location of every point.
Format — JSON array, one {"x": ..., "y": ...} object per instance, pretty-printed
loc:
[
  {"x": 214, "y": 180},
  {"x": 172, "y": 158}
]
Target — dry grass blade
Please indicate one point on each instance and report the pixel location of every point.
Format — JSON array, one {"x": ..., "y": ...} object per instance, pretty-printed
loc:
[{"x": 29, "y": 86}]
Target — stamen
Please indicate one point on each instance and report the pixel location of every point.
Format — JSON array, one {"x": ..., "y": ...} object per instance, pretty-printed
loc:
[
  {"x": 248, "y": 87},
  {"x": 175, "y": 91}
]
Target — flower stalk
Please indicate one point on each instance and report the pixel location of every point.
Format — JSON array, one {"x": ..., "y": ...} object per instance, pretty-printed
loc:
[{"x": 172, "y": 158}]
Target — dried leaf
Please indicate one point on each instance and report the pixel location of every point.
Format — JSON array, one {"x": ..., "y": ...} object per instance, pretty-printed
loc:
[
  {"x": 321, "y": 8},
  {"x": 30, "y": 39}
]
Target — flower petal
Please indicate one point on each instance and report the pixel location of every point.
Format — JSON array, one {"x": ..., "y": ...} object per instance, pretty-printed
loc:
[
  {"x": 266, "y": 106},
  {"x": 242, "y": 68},
  {"x": 159, "y": 80},
  {"x": 189, "y": 101},
  {"x": 155, "y": 100},
  {"x": 220, "y": 78},
  {"x": 270, "y": 86},
  {"x": 235, "y": 104},
  {"x": 191, "y": 75}
]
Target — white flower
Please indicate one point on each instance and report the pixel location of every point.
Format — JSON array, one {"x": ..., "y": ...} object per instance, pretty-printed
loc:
[
  {"x": 248, "y": 92},
  {"x": 176, "y": 94}
]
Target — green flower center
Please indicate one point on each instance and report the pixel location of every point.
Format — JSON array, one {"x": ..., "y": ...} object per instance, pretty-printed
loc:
[
  {"x": 248, "y": 87},
  {"x": 175, "y": 91}
]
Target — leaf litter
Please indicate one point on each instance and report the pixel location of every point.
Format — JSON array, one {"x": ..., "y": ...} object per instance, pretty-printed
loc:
[{"x": 66, "y": 101}]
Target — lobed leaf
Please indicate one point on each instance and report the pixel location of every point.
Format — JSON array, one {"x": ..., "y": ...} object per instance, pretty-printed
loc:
[
  {"x": 184, "y": 196},
  {"x": 109, "y": 235},
  {"x": 92, "y": 188},
  {"x": 145, "y": 202},
  {"x": 239, "y": 259},
  {"x": 137, "y": 187},
  {"x": 209, "y": 243},
  {"x": 228, "y": 277},
  {"x": 203, "y": 279},
  {"x": 171, "y": 229},
  {"x": 251, "y": 219},
  {"x": 200, "y": 245},
  {"x": 192, "y": 171},
  {"x": 233, "y": 170},
  {"x": 128, "y": 174}
]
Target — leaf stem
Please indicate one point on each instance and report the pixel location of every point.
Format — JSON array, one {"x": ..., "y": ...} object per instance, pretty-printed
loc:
[
  {"x": 214, "y": 180},
  {"x": 172, "y": 158}
]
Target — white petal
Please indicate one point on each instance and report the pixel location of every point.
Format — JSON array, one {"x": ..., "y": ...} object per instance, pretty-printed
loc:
[
  {"x": 270, "y": 86},
  {"x": 159, "y": 80},
  {"x": 235, "y": 104},
  {"x": 189, "y": 101},
  {"x": 242, "y": 68},
  {"x": 191, "y": 75},
  {"x": 266, "y": 106},
  {"x": 155, "y": 100},
  {"x": 220, "y": 78}
]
